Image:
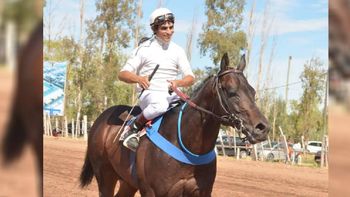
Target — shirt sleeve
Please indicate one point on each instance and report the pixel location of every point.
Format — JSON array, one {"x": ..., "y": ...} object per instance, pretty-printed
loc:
[
  {"x": 133, "y": 62},
  {"x": 184, "y": 64}
]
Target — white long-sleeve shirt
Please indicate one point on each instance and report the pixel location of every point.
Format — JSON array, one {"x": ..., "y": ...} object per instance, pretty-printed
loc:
[{"x": 171, "y": 58}]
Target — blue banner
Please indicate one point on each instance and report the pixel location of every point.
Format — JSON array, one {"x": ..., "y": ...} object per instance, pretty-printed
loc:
[{"x": 54, "y": 82}]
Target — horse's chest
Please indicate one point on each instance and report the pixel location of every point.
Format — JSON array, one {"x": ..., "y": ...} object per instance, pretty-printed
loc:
[
  {"x": 185, "y": 183},
  {"x": 191, "y": 187}
]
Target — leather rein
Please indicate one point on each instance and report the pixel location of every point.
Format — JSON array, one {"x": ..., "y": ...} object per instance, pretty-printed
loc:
[{"x": 229, "y": 116}]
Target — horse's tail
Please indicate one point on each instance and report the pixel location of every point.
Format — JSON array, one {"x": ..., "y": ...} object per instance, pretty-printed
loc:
[
  {"x": 15, "y": 139},
  {"x": 87, "y": 172}
]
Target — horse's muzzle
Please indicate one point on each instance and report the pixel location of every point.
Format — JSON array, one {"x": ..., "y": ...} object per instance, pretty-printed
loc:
[{"x": 259, "y": 133}]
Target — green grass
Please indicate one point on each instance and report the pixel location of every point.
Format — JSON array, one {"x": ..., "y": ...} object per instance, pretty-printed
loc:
[{"x": 307, "y": 160}]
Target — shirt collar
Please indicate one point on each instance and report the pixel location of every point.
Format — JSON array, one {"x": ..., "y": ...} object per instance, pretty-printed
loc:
[{"x": 161, "y": 43}]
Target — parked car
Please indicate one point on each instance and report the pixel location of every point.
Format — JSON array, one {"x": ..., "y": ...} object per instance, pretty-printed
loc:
[
  {"x": 313, "y": 146},
  {"x": 228, "y": 142},
  {"x": 274, "y": 153}
]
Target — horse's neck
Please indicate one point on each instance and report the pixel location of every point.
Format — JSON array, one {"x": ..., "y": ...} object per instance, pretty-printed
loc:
[{"x": 200, "y": 134}]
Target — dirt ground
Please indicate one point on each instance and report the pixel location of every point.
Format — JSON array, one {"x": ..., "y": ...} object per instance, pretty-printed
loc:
[
  {"x": 19, "y": 177},
  {"x": 339, "y": 132},
  {"x": 63, "y": 159}
]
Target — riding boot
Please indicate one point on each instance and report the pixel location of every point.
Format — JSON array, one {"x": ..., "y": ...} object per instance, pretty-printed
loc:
[{"x": 131, "y": 141}]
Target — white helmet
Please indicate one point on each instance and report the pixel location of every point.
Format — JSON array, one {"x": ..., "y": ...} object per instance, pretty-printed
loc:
[{"x": 161, "y": 15}]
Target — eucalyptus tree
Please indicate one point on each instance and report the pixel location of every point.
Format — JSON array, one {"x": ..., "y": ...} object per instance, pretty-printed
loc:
[{"x": 221, "y": 33}]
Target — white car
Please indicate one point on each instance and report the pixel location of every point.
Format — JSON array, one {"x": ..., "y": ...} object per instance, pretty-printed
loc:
[
  {"x": 275, "y": 153},
  {"x": 314, "y": 146}
]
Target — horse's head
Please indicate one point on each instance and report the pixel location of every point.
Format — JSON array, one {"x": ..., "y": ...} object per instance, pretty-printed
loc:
[{"x": 237, "y": 100}]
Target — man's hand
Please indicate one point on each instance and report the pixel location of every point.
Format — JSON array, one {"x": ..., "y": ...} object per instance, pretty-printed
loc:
[
  {"x": 143, "y": 82},
  {"x": 172, "y": 85}
]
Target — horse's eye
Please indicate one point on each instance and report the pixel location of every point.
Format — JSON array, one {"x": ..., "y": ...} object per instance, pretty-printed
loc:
[{"x": 231, "y": 93}]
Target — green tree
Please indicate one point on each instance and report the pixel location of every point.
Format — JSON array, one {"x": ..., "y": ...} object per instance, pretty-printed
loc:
[
  {"x": 308, "y": 112},
  {"x": 22, "y": 12},
  {"x": 221, "y": 33},
  {"x": 277, "y": 117},
  {"x": 200, "y": 75},
  {"x": 107, "y": 35},
  {"x": 64, "y": 49}
]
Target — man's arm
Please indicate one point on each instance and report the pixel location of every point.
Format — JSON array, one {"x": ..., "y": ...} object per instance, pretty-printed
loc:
[
  {"x": 188, "y": 80},
  {"x": 129, "y": 77}
]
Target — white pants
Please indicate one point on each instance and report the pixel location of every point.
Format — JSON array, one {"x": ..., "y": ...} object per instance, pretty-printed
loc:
[{"x": 155, "y": 103}]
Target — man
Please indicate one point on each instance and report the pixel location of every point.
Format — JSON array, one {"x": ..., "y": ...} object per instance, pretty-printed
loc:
[{"x": 171, "y": 59}]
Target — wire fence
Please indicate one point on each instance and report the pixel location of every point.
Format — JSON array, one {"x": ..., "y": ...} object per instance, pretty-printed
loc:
[{"x": 227, "y": 145}]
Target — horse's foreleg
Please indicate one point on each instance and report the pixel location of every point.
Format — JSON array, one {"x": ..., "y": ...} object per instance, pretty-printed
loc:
[
  {"x": 125, "y": 190},
  {"x": 146, "y": 190}
]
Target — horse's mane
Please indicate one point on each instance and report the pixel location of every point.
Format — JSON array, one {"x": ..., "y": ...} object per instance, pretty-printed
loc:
[{"x": 199, "y": 86}]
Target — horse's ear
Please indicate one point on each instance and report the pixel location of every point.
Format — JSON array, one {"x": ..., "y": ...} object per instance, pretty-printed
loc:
[
  {"x": 242, "y": 63},
  {"x": 224, "y": 62}
]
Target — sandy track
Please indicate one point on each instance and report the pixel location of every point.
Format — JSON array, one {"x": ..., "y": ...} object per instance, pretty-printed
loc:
[
  {"x": 63, "y": 159},
  {"x": 19, "y": 177}
]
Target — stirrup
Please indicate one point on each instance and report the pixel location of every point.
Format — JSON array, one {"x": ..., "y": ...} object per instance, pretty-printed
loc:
[
  {"x": 127, "y": 129},
  {"x": 132, "y": 142}
]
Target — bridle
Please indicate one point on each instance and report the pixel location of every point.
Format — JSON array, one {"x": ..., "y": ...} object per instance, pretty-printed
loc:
[{"x": 230, "y": 116}]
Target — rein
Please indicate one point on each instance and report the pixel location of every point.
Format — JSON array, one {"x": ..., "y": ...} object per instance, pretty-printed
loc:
[{"x": 229, "y": 116}]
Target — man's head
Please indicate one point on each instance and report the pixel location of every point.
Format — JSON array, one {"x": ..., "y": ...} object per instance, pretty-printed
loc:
[{"x": 162, "y": 23}]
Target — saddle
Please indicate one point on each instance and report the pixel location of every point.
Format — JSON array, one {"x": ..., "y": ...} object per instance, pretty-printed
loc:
[
  {"x": 148, "y": 124},
  {"x": 181, "y": 154}
]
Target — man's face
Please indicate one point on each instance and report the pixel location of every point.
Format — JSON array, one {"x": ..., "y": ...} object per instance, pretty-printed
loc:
[{"x": 165, "y": 31}]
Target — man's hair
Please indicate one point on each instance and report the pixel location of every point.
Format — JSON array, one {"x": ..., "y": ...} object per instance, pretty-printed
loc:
[{"x": 159, "y": 17}]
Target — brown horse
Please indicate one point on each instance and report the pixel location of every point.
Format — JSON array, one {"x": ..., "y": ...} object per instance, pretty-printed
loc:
[
  {"x": 26, "y": 122},
  {"x": 226, "y": 98}
]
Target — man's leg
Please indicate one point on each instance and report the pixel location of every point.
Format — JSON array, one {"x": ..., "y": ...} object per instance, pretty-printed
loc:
[
  {"x": 131, "y": 141},
  {"x": 153, "y": 104}
]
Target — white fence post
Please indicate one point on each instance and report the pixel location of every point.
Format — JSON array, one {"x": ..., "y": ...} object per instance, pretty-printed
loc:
[
  {"x": 255, "y": 152},
  {"x": 73, "y": 128},
  {"x": 56, "y": 125},
  {"x": 65, "y": 126},
  {"x": 77, "y": 125},
  {"x": 235, "y": 143},
  {"x": 303, "y": 144},
  {"x": 327, "y": 149},
  {"x": 222, "y": 145},
  {"x": 85, "y": 127},
  {"x": 78, "y": 129},
  {"x": 49, "y": 125},
  {"x": 10, "y": 28},
  {"x": 45, "y": 124},
  {"x": 285, "y": 144},
  {"x": 324, "y": 151}
]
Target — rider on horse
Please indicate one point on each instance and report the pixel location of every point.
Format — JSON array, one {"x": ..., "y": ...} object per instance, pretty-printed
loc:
[{"x": 172, "y": 60}]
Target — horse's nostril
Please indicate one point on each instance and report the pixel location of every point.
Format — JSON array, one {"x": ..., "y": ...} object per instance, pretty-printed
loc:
[{"x": 260, "y": 127}]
